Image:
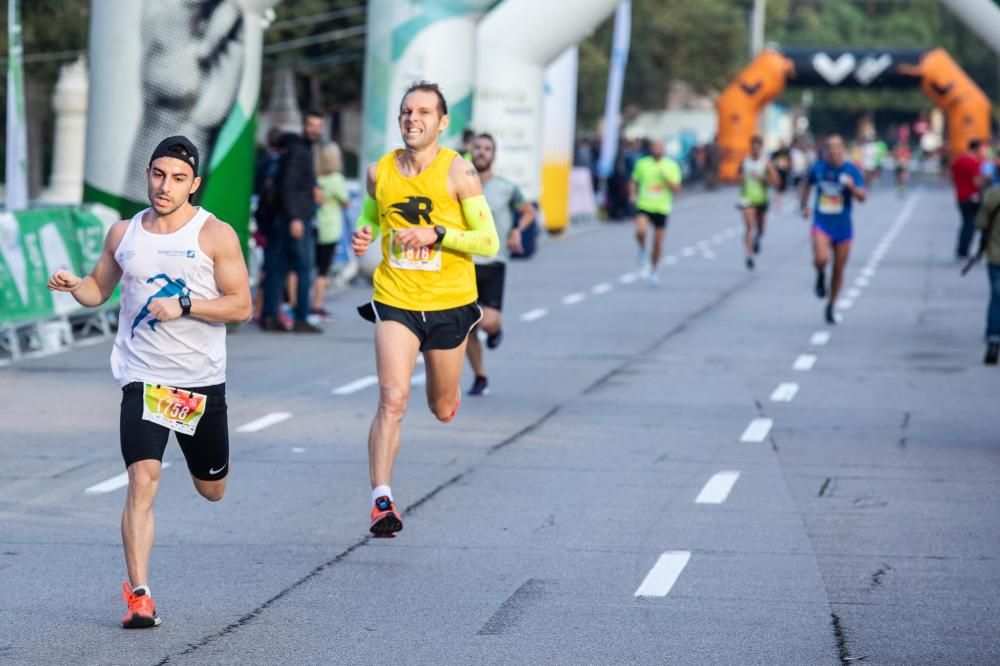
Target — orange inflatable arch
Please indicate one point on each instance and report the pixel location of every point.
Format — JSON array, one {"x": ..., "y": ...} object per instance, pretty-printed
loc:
[{"x": 966, "y": 107}]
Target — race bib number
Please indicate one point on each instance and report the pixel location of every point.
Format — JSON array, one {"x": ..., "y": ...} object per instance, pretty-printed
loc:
[
  {"x": 173, "y": 408},
  {"x": 831, "y": 204},
  {"x": 413, "y": 259}
]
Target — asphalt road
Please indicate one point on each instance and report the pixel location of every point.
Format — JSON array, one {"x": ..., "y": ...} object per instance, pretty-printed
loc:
[{"x": 703, "y": 472}]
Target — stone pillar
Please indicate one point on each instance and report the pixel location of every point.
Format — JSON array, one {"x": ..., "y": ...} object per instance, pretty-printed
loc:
[{"x": 69, "y": 102}]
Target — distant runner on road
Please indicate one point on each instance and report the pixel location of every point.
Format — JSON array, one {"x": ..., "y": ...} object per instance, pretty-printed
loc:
[
  {"x": 838, "y": 182},
  {"x": 759, "y": 174},
  {"x": 655, "y": 181},
  {"x": 506, "y": 201}
]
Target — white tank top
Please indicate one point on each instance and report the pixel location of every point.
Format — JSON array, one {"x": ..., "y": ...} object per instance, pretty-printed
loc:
[{"x": 185, "y": 352}]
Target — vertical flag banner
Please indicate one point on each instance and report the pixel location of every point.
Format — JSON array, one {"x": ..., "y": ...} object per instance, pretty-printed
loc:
[
  {"x": 17, "y": 138},
  {"x": 616, "y": 80}
]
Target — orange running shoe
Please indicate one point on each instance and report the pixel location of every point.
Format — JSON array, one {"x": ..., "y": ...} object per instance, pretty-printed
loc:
[
  {"x": 141, "y": 612},
  {"x": 386, "y": 521}
]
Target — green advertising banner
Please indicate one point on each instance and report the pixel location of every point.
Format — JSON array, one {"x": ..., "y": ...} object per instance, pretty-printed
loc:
[{"x": 36, "y": 243}]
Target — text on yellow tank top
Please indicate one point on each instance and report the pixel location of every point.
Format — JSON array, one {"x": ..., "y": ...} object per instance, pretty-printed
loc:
[{"x": 426, "y": 279}]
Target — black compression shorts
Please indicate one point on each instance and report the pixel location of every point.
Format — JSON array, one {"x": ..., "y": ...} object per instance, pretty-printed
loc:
[
  {"x": 206, "y": 452},
  {"x": 489, "y": 283}
]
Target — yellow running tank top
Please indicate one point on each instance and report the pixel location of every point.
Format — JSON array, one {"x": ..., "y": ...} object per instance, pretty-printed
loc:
[{"x": 426, "y": 279}]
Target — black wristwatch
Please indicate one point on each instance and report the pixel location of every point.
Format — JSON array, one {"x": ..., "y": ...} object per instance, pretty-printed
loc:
[
  {"x": 440, "y": 231},
  {"x": 185, "y": 300}
]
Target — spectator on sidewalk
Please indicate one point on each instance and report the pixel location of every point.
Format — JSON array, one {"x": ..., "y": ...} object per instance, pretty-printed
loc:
[
  {"x": 965, "y": 175},
  {"x": 989, "y": 226},
  {"x": 265, "y": 188},
  {"x": 292, "y": 249},
  {"x": 329, "y": 220}
]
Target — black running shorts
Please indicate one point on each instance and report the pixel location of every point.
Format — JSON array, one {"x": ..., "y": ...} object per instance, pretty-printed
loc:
[
  {"x": 324, "y": 258},
  {"x": 489, "y": 283},
  {"x": 659, "y": 220},
  {"x": 760, "y": 208},
  {"x": 206, "y": 452},
  {"x": 438, "y": 329}
]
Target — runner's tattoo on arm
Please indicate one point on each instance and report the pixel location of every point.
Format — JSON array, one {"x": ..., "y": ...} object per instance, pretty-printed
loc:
[{"x": 472, "y": 173}]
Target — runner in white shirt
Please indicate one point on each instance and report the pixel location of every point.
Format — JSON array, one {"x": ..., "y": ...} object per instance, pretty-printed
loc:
[{"x": 182, "y": 278}]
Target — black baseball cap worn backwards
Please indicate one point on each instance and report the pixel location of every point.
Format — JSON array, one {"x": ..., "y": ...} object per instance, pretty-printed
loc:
[{"x": 178, "y": 147}]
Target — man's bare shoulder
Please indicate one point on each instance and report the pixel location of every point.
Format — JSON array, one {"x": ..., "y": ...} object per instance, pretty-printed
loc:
[
  {"x": 116, "y": 232},
  {"x": 217, "y": 235},
  {"x": 464, "y": 168}
]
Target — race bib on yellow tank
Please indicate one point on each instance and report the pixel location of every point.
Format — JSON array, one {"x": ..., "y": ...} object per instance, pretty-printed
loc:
[
  {"x": 831, "y": 204},
  {"x": 173, "y": 408},
  {"x": 413, "y": 258}
]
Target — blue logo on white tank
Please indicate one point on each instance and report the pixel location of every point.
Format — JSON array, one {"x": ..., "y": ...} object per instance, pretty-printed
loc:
[{"x": 174, "y": 287}]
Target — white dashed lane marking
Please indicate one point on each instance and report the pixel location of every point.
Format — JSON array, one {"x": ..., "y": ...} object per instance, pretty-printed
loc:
[
  {"x": 114, "y": 483},
  {"x": 664, "y": 574},
  {"x": 785, "y": 392},
  {"x": 804, "y": 362},
  {"x": 758, "y": 430},
  {"x": 265, "y": 421},
  {"x": 573, "y": 299},
  {"x": 718, "y": 488},
  {"x": 819, "y": 338},
  {"x": 356, "y": 385},
  {"x": 532, "y": 315}
]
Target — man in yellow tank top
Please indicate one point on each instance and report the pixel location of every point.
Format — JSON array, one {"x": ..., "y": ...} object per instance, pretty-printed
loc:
[{"x": 427, "y": 204}]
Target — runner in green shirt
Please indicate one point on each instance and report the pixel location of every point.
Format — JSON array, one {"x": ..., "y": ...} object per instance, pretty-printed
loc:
[
  {"x": 758, "y": 174},
  {"x": 655, "y": 180}
]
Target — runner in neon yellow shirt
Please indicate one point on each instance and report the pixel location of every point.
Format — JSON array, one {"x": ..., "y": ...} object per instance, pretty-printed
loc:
[
  {"x": 758, "y": 175},
  {"x": 655, "y": 181}
]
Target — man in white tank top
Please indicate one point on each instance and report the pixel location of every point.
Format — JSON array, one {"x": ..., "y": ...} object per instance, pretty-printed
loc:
[{"x": 183, "y": 278}]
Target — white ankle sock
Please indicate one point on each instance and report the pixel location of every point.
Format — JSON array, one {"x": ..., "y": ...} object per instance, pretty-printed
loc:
[
  {"x": 380, "y": 491},
  {"x": 141, "y": 587}
]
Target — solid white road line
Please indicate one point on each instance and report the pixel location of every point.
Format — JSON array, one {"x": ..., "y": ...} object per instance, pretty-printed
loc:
[
  {"x": 264, "y": 422},
  {"x": 114, "y": 483},
  {"x": 601, "y": 288},
  {"x": 356, "y": 385},
  {"x": 664, "y": 574},
  {"x": 573, "y": 299},
  {"x": 804, "y": 362},
  {"x": 717, "y": 489},
  {"x": 628, "y": 278},
  {"x": 758, "y": 430},
  {"x": 532, "y": 315},
  {"x": 785, "y": 392},
  {"x": 819, "y": 338}
]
